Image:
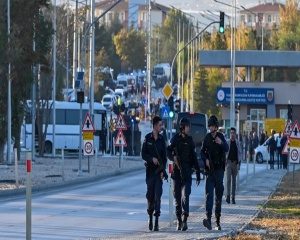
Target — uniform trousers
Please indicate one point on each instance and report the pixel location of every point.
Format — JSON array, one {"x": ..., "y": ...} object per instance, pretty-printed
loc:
[
  {"x": 210, "y": 190},
  {"x": 154, "y": 193},
  {"x": 182, "y": 193}
]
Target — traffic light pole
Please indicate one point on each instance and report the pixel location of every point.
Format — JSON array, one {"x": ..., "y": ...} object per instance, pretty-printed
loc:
[{"x": 197, "y": 35}]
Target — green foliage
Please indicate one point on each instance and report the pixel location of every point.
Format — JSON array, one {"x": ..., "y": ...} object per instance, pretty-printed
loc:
[
  {"x": 130, "y": 46},
  {"x": 201, "y": 101}
]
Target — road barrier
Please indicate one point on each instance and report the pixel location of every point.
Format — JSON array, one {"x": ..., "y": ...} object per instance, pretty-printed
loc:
[{"x": 28, "y": 195}]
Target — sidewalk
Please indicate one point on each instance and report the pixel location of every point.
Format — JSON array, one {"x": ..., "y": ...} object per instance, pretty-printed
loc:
[{"x": 249, "y": 198}]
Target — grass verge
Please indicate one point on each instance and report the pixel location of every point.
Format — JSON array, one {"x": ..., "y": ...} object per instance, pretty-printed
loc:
[{"x": 280, "y": 217}]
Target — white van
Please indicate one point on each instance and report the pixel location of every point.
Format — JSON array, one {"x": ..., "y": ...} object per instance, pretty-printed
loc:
[{"x": 122, "y": 79}]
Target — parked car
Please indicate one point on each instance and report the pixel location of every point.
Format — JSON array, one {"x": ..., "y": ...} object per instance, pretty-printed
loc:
[
  {"x": 261, "y": 152},
  {"x": 108, "y": 101}
]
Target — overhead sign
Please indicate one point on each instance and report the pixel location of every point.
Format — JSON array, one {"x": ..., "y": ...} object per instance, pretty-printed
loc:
[
  {"x": 286, "y": 148},
  {"x": 165, "y": 112},
  {"x": 295, "y": 131},
  {"x": 88, "y": 125},
  {"x": 246, "y": 95},
  {"x": 167, "y": 91},
  {"x": 294, "y": 156},
  {"x": 287, "y": 130},
  {"x": 88, "y": 147},
  {"x": 120, "y": 140},
  {"x": 120, "y": 124},
  {"x": 276, "y": 124}
]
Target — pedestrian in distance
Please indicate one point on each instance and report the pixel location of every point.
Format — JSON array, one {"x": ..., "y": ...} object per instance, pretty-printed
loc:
[
  {"x": 154, "y": 155},
  {"x": 182, "y": 152},
  {"x": 233, "y": 164},
  {"x": 278, "y": 151},
  {"x": 284, "y": 156},
  {"x": 213, "y": 151},
  {"x": 271, "y": 150},
  {"x": 262, "y": 137}
]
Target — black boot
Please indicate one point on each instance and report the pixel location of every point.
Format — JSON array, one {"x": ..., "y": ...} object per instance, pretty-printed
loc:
[
  {"x": 228, "y": 199},
  {"x": 207, "y": 222},
  {"x": 184, "y": 223},
  {"x": 156, "y": 224},
  {"x": 218, "y": 226},
  {"x": 150, "y": 222},
  {"x": 179, "y": 223},
  {"x": 233, "y": 200}
]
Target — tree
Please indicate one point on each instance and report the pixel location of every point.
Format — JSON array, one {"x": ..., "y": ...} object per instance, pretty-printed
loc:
[
  {"x": 201, "y": 102},
  {"x": 130, "y": 46}
]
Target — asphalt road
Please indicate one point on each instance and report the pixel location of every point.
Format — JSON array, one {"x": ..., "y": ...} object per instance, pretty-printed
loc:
[{"x": 110, "y": 207}]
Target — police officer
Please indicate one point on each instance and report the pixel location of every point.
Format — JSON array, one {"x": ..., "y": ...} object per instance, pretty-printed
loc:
[
  {"x": 154, "y": 154},
  {"x": 182, "y": 176},
  {"x": 213, "y": 155}
]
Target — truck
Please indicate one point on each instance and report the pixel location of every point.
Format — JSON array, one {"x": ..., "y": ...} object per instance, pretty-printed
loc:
[{"x": 161, "y": 74}]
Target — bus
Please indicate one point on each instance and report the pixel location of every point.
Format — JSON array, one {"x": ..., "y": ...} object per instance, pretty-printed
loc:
[
  {"x": 198, "y": 131},
  {"x": 66, "y": 126}
]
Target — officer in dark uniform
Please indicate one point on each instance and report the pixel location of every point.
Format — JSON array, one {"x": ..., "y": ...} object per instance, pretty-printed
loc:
[
  {"x": 154, "y": 154},
  {"x": 213, "y": 155},
  {"x": 182, "y": 176}
]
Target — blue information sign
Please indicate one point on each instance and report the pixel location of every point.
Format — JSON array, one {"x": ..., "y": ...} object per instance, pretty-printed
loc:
[
  {"x": 165, "y": 112},
  {"x": 246, "y": 95}
]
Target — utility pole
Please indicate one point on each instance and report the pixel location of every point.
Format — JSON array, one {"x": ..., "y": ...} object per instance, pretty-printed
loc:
[
  {"x": 92, "y": 59},
  {"x": 9, "y": 91},
  {"x": 67, "y": 68},
  {"x": 75, "y": 44},
  {"x": 54, "y": 78},
  {"x": 149, "y": 55}
]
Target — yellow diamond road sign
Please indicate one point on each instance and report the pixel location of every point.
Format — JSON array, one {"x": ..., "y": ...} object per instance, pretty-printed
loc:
[{"x": 167, "y": 91}]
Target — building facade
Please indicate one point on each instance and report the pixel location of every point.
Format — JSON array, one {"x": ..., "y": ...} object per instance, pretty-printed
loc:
[
  {"x": 258, "y": 101},
  {"x": 265, "y": 15},
  {"x": 132, "y": 13}
]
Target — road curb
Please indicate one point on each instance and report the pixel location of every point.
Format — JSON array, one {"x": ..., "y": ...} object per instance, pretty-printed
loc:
[{"x": 73, "y": 182}]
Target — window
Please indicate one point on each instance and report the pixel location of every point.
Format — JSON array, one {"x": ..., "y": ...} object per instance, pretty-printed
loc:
[
  {"x": 243, "y": 18},
  {"x": 283, "y": 113},
  {"x": 72, "y": 116},
  {"x": 110, "y": 16},
  {"x": 269, "y": 18},
  {"x": 144, "y": 16},
  {"x": 249, "y": 18},
  {"x": 258, "y": 114},
  {"x": 122, "y": 16}
]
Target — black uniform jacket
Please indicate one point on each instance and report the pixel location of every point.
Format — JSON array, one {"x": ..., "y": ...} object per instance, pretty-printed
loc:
[
  {"x": 204, "y": 154},
  {"x": 148, "y": 151},
  {"x": 186, "y": 164}
]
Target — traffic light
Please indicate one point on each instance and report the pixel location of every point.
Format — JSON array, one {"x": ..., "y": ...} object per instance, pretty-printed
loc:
[
  {"x": 221, "y": 28},
  {"x": 290, "y": 112},
  {"x": 171, "y": 105}
]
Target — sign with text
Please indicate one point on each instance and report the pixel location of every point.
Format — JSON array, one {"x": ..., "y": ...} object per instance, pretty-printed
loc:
[
  {"x": 246, "y": 95},
  {"x": 276, "y": 124}
]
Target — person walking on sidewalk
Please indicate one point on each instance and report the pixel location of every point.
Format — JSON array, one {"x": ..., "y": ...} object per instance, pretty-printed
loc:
[
  {"x": 233, "y": 163},
  {"x": 278, "y": 151},
  {"x": 284, "y": 156},
  {"x": 154, "y": 154},
  {"x": 213, "y": 152},
  {"x": 182, "y": 151},
  {"x": 271, "y": 150}
]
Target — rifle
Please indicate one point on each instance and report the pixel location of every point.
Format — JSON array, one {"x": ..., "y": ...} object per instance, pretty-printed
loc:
[
  {"x": 160, "y": 167},
  {"x": 179, "y": 165},
  {"x": 212, "y": 169}
]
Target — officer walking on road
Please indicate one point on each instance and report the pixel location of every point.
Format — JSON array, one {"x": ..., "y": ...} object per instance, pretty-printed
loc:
[
  {"x": 154, "y": 154},
  {"x": 233, "y": 163},
  {"x": 213, "y": 155},
  {"x": 182, "y": 151}
]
